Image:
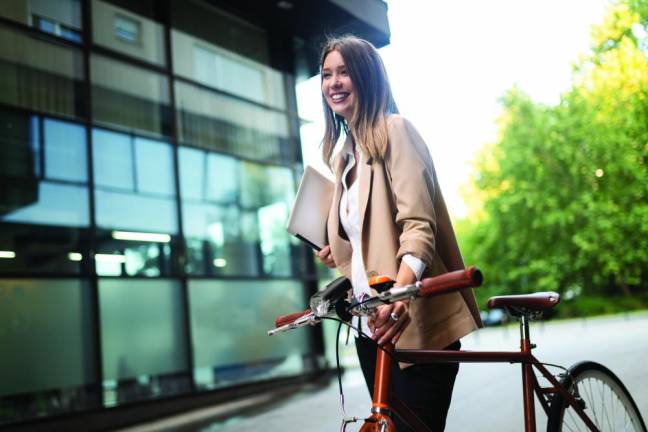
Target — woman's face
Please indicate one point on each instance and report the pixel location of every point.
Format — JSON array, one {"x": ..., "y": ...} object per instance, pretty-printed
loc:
[{"x": 337, "y": 86}]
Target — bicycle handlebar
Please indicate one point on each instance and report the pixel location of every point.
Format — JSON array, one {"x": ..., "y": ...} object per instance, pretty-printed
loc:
[
  {"x": 451, "y": 282},
  {"x": 287, "y": 319},
  {"x": 428, "y": 287}
]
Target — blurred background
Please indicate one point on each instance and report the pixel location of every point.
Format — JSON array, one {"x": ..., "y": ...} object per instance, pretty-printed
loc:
[{"x": 150, "y": 152}]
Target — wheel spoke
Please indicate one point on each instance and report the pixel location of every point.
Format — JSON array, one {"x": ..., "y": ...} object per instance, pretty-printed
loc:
[
  {"x": 606, "y": 401},
  {"x": 573, "y": 419},
  {"x": 592, "y": 404}
]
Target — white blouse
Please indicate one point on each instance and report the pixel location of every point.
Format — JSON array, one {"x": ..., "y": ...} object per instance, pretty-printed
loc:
[{"x": 350, "y": 220}]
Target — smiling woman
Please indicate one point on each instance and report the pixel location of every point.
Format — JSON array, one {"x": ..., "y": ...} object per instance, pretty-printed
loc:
[{"x": 388, "y": 217}]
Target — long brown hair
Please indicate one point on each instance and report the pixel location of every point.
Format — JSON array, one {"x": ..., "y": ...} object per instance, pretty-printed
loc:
[{"x": 375, "y": 102}]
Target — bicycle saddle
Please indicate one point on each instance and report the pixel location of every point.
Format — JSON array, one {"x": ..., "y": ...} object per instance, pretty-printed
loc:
[{"x": 519, "y": 304}]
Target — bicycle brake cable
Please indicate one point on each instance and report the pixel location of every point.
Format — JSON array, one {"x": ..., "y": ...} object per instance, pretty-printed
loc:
[
  {"x": 346, "y": 419},
  {"x": 337, "y": 363}
]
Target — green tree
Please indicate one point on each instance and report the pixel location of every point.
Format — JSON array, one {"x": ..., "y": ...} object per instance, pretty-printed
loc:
[{"x": 564, "y": 190}]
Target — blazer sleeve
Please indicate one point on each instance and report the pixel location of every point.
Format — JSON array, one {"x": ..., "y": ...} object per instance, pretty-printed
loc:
[{"x": 413, "y": 183}]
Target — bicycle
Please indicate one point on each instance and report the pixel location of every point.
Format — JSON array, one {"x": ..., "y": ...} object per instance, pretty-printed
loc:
[{"x": 587, "y": 396}]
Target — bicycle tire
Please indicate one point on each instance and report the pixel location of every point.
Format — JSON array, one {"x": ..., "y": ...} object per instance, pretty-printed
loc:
[{"x": 606, "y": 400}]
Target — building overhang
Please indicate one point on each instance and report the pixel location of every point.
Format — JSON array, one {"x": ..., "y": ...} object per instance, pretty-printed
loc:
[{"x": 312, "y": 21}]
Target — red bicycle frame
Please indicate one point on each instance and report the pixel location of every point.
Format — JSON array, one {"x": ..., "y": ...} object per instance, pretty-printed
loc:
[{"x": 383, "y": 404}]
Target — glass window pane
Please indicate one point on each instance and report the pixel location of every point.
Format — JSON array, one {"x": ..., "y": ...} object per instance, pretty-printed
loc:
[
  {"x": 58, "y": 17},
  {"x": 154, "y": 167},
  {"x": 233, "y": 347},
  {"x": 65, "y": 151},
  {"x": 127, "y": 32},
  {"x": 129, "y": 97},
  {"x": 265, "y": 184},
  {"x": 40, "y": 76},
  {"x": 223, "y": 173},
  {"x": 239, "y": 228},
  {"x": 133, "y": 208},
  {"x": 221, "y": 240},
  {"x": 57, "y": 204},
  {"x": 126, "y": 29},
  {"x": 47, "y": 324},
  {"x": 142, "y": 339},
  {"x": 42, "y": 221},
  {"x": 219, "y": 28},
  {"x": 112, "y": 159},
  {"x": 43, "y": 249},
  {"x": 192, "y": 173},
  {"x": 124, "y": 211},
  {"x": 19, "y": 160},
  {"x": 269, "y": 191},
  {"x": 274, "y": 241},
  {"x": 135, "y": 195},
  {"x": 226, "y": 70},
  {"x": 213, "y": 121}
]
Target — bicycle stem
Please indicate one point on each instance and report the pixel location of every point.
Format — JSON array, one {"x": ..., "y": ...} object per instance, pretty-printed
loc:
[{"x": 366, "y": 307}]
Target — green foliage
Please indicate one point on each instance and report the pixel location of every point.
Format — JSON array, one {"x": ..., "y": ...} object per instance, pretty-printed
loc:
[
  {"x": 599, "y": 305},
  {"x": 564, "y": 190}
]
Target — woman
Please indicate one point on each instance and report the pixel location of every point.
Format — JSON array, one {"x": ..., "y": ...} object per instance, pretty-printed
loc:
[{"x": 388, "y": 217}]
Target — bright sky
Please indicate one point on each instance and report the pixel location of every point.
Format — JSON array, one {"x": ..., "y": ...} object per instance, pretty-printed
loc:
[{"x": 449, "y": 62}]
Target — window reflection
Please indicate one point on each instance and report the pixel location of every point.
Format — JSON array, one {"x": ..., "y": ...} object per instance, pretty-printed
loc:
[
  {"x": 58, "y": 204},
  {"x": 233, "y": 347},
  {"x": 223, "y": 69},
  {"x": 40, "y": 76},
  {"x": 217, "y": 28},
  {"x": 37, "y": 376},
  {"x": 119, "y": 29},
  {"x": 142, "y": 340},
  {"x": 213, "y": 121},
  {"x": 153, "y": 166},
  {"x": 61, "y": 18},
  {"x": 65, "y": 151},
  {"x": 129, "y": 97},
  {"x": 44, "y": 212},
  {"x": 134, "y": 192},
  {"x": 234, "y": 215},
  {"x": 112, "y": 157}
]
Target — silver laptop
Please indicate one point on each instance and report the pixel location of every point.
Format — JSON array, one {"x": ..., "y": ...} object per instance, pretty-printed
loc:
[{"x": 310, "y": 211}]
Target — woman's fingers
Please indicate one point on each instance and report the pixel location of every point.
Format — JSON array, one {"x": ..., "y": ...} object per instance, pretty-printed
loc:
[
  {"x": 381, "y": 317},
  {"x": 326, "y": 257},
  {"x": 389, "y": 322},
  {"x": 326, "y": 250},
  {"x": 394, "y": 333}
]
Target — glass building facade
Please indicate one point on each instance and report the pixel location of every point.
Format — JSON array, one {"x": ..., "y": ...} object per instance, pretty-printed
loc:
[{"x": 149, "y": 156}]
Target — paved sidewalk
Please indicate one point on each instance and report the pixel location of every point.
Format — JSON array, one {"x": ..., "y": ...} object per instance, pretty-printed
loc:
[{"x": 487, "y": 396}]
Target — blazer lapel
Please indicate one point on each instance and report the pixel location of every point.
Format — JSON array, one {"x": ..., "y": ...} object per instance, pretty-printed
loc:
[
  {"x": 365, "y": 189},
  {"x": 334, "y": 214},
  {"x": 340, "y": 247}
]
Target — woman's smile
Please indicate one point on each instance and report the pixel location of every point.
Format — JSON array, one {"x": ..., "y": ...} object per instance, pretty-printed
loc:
[{"x": 337, "y": 86}]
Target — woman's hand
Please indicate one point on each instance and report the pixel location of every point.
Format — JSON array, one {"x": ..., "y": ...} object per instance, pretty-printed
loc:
[
  {"x": 326, "y": 257},
  {"x": 390, "y": 321}
]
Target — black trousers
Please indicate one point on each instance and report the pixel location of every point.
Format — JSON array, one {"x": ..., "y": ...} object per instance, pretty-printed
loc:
[{"x": 425, "y": 388}]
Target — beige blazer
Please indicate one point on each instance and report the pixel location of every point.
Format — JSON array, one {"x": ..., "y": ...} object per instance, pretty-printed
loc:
[{"x": 402, "y": 211}]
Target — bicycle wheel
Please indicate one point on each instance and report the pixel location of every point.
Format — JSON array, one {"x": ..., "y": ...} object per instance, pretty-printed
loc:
[{"x": 604, "y": 398}]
